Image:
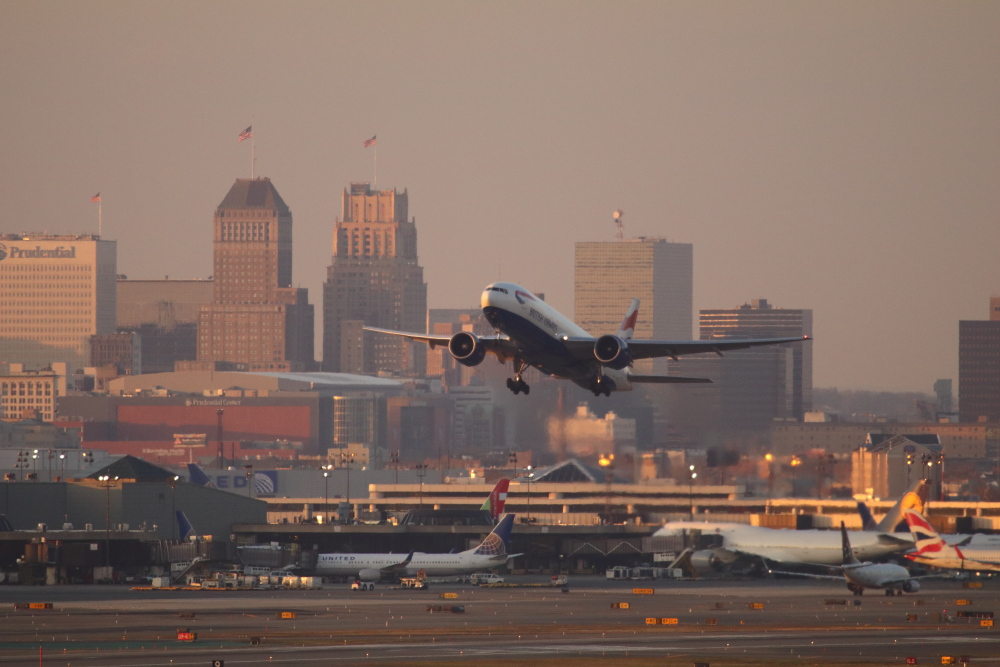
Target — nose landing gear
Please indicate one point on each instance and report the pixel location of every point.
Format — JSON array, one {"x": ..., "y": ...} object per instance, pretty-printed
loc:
[{"x": 516, "y": 384}]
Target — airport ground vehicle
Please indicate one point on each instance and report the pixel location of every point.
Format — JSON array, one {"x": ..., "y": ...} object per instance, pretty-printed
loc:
[
  {"x": 480, "y": 578},
  {"x": 359, "y": 585}
]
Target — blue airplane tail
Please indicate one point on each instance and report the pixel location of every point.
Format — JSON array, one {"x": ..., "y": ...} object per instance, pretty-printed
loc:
[
  {"x": 867, "y": 520},
  {"x": 496, "y": 543},
  {"x": 198, "y": 477},
  {"x": 184, "y": 525}
]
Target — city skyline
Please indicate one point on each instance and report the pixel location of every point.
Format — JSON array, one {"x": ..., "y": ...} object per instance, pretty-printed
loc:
[{"x": 835, "y": 157}]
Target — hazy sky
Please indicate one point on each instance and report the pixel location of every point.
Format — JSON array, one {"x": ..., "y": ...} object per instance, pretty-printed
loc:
[{"x": 838, "y": 156}]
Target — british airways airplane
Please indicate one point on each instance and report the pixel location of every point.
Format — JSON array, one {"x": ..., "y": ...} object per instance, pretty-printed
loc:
[{"x": 529, "y": 333}]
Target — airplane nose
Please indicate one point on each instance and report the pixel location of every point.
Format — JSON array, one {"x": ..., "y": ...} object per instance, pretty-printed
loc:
[{"x": 485, "y": 300}]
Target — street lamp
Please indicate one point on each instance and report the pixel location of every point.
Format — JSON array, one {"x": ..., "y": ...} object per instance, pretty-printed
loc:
[
  {"x": 345, "y": 462},
  {"x": 326, "y": 496},
  {"x": 512, "y": 460},
  {"x": 34, "y": 464},
  {"x": 607, "y": 462},
  {"x": 421, "y": 471},
  {"x": 173, "y": 506},
  {"x": 394, "y": 460},
  {"x": 218, "y": 434},
  {"x": 528, "y": 470},
  {"x": 107, "y": 482},
  {"x": 694, "y": 476},
  {"x": 249, "y": 474}
]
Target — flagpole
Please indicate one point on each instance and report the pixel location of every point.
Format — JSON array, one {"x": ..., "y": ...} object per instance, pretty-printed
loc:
[
  {"x": 375, "y": 177},
  {"x": 253, "y": 159},
  {"x": 100, "y": 218}
]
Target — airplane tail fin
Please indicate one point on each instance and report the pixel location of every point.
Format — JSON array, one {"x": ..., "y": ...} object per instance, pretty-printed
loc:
[
  {"x": 867, "y": 520},
  {"x": 927, "y": 541},
  {"x": 198, "y": 477},
  {"x": 848, "y": 552},
  {"x": 627, "y": 329},
  {"x": 913, "y": 499},
  {"x": 496, "y": 542},
  {"x": 186, "y": 530},
  {"x": 497, "y": 499}
]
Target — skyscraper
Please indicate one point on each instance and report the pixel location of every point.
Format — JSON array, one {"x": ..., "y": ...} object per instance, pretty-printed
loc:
[
  {"x": 373, "y": 279},
  {"x": 610, "y": 274},
  {"x": 257, "y": 321},
  {"x": 55, "y": 293},
  {"x": 979, "y": 367}
]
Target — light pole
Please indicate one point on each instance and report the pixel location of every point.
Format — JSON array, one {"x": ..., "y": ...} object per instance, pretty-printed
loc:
[
  {"x": 173, "y": 506},
  {"x": 326, "y": 496},
  {"x": 607, "y": 462},
  {"x": 421, "y": 471},
  {"x": 249, "y": 474},
  {"x": 345, "y": 462},
  {"x": 512, "y": 460},
  {"x": 394, "y": 459},
  {"x": 528, "y": 470},
  {"x": 107, "y": 483},
  {"x": 694, "y": 475},
  {"x": 218, "y": 433},
  {"x": 34, "y": 465}
]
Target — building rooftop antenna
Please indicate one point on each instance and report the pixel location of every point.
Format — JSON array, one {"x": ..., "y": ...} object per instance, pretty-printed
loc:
[{"x": 620, "y": 234}]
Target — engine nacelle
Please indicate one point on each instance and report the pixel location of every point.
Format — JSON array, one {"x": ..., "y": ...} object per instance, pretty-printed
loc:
[
  {"x": 466, "y": 349},
  {"x": 370, "y": 574},
  {"x": 706, "y": 562},
  {"x": 911, "y": 586},
  {"x": 613, "y": 352}
]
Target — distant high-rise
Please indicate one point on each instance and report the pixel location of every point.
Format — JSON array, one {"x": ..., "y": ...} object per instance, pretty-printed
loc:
[
  {"x": 165, "y": 315},
  {"x": 979, "y": 367},
  {"x": 792, "y": 395},
  {"x": 373, "y": 279},
  {"x": 609, "y": 275},
  {"x": 55, "y": 293},
  {"x": 257, "y": 321}
]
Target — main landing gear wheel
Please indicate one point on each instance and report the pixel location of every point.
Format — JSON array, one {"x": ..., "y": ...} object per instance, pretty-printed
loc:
[
  {"x": 517, "y": 385},
  {"x": 599, "y": 388}
]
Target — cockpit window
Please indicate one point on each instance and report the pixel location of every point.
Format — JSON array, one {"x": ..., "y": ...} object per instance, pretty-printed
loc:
[{"x": 496, "y": 289}]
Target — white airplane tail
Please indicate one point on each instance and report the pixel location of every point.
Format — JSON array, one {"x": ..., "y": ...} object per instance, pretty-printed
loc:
[
  {"x": 929, "y": 545},
  {"x": 627, "y": 328}
]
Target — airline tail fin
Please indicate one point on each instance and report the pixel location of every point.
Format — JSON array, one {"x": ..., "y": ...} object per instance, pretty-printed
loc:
[
  {"x": 184, "y": 525},
  {"x": 912, "y": 500},
  {"x": 848, "y": 552},
  {"x": 627, "y": 329},
  {"x": 928, "y": 543},
  {"x": 867, "y": 520},
  {"x": 497, "y": 499},
  {"x": 496, "y": 542},
  {"x": 198, "y": 477}
]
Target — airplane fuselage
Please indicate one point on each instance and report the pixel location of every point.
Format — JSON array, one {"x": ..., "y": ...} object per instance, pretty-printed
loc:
[
  {"x": 876, "y": 575},
  {"x": 351, "y": 565},
  {"x": 538, "y": 330},
  {"x": 822, "y": 547},
  {"x": 967, "y": 558}
]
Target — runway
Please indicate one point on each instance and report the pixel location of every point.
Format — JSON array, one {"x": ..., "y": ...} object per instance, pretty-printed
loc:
[{"x": 716, "y": 622}]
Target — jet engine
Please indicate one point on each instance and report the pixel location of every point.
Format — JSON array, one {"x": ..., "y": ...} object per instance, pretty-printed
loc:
[
  {"x": 911, "y": 586},
  {"x": 706, "y": 562},
  {"x": 370, "y": 574},
  {"x": 612, "y": 351},
  {"x": 465, "y": 347}
]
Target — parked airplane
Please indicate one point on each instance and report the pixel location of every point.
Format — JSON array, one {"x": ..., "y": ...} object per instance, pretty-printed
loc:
[
  {"x": 491, "y": 553},
  {"x": 933, "y": 550},
  {"x": 529, "y": 332},
  {"x": 753, "y": 544},
  {"x": 895, "y": 579},
  {"x": 497, "y": 499}
]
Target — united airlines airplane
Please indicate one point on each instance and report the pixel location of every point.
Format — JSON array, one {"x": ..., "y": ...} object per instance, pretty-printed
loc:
[{"x": 529, "y": 333}]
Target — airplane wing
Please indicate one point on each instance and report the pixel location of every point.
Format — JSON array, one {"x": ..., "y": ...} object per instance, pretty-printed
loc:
[
  {"x": 399, "y": 568},
  {"x": 501, "y": 346},
  {"x": 583, "y": 347},
  {"x": 807, "y": 575}
]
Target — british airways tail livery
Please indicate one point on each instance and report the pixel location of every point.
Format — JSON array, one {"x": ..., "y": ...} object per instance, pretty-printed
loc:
[
  {"x": 530, "y": 333},
  {"x": 490, "y": 553}
]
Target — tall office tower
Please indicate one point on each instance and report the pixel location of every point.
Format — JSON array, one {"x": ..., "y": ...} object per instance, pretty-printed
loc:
[
  {"x": 792, "y": 395},
  {"x": 373, "y": 279},
  {"x": 979, "y": 367},
  {"x": 165, "y": 315},
  {"x": 257, "y": 321},
  {"x": 610, "y": 274},
  {"x": 55, "y": 293}
]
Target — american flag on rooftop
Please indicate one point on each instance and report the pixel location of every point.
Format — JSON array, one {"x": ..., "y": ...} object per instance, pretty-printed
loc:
[
  {"x": 370, "y": 142},
  {"x": 96, "y": 198},
  {"x": 245, "y": 134}
]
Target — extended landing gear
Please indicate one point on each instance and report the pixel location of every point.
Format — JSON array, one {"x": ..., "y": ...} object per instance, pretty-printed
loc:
[
  {"x": 890, "y": 592},
  {"x": 600, "y": 386},
  {"x": 857, "y": 590},
  {"x": 516, "y": 384}
]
